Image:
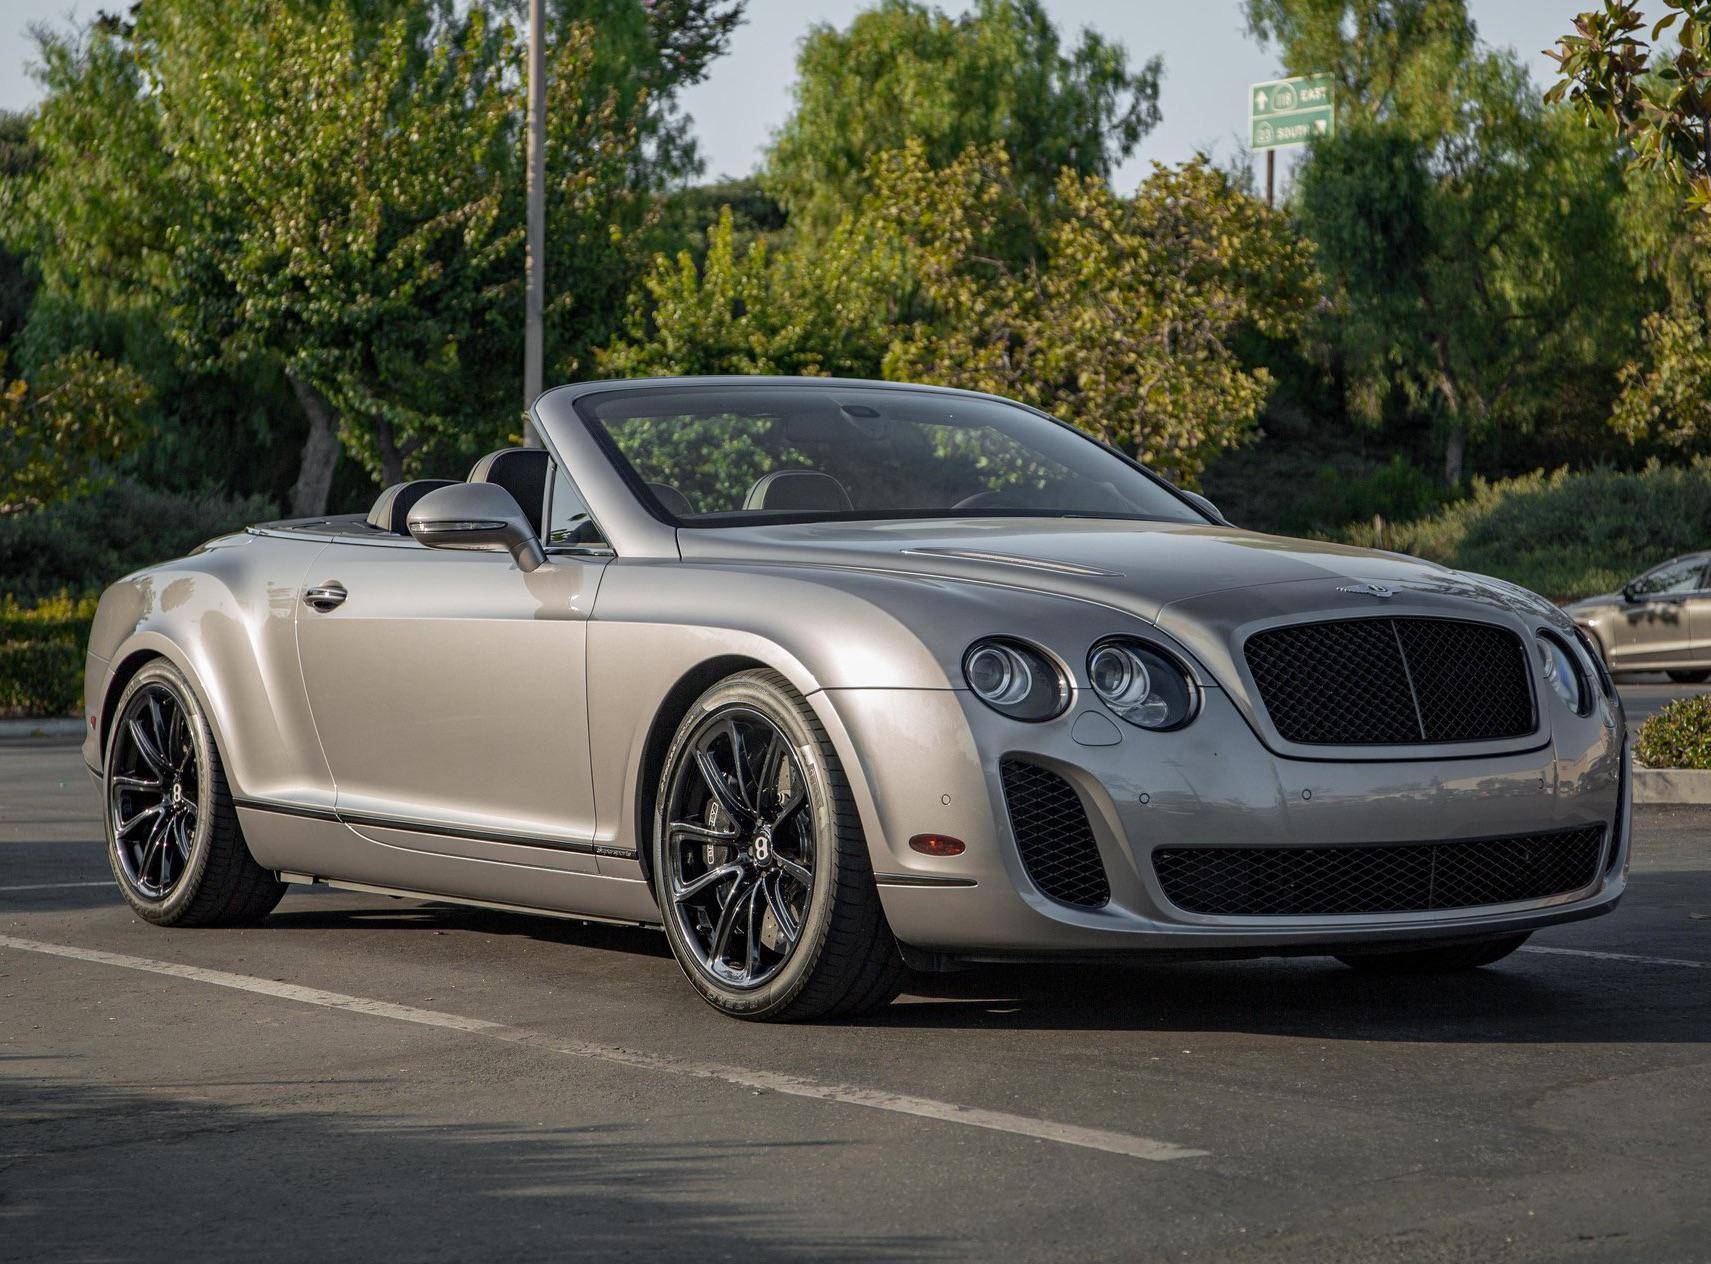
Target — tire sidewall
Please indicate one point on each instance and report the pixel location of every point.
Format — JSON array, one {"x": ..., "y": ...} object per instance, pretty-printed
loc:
[
  {"x": 177, "y": 901},
  {"x": 782, "y": 708}
]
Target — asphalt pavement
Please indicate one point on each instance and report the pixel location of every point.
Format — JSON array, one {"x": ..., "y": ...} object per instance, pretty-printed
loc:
[
  {"x": 1645, "y": 695},
  {"x": 367, "y": 1078}
]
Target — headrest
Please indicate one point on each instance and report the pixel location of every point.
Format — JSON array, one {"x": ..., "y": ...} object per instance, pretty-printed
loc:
[
  {"x": 393, "y": 506},
  {"x": 799, "y": 489},
  {"x": 523, "y": 473},
  {"x": 671, "y": 500}
]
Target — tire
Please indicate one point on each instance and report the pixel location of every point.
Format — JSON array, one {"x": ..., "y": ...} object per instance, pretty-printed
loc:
[
  {"x": 1444, "y": 960},
  {"x": 1689, "y": 677},
  {"x": 175, "y": 846},
  {"x": 814, "y": 875}
]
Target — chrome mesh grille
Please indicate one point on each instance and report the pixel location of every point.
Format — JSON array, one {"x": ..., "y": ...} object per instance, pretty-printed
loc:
[
  {"x": 1399, "y": 878},
  {"x": 1392, "y": 682},
  {"x": 1052, "y": 833}
]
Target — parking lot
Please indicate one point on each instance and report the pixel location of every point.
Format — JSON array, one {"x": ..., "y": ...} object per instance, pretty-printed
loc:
[{"x": 364, "y": 1076}]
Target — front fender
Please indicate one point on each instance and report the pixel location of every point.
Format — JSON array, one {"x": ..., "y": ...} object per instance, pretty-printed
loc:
[{"x": 231, "y": 631}]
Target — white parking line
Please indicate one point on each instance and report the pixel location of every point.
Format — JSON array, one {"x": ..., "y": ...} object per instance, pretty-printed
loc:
[
  {"x": 1621, "y": 956},
  {"x": 57, "y": 886},
  {"x": 768, "y": 1081}
]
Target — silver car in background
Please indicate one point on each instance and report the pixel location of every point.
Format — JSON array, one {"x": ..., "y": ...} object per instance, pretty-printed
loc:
[
  {"x": 830, "y": 679},
  {"x": 1659, "y": 621}
]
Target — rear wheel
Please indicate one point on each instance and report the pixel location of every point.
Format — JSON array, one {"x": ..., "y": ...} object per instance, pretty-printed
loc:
[
  {"x": 759, "y": 862},
  {"x": 1689, "y": 677},
  {"x": 1436, "y": 960},
  {"x": 172, "y": 834}
]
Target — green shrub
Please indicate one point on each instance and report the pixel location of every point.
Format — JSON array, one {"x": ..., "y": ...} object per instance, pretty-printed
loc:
[
  {"x": 41, "y": 655},
  {"x": 1563, "y": 535},
  {"x": 1315, "y": 492},
  {"x": 1679, "y": 736},
  {"x": 83, "y": 545}
]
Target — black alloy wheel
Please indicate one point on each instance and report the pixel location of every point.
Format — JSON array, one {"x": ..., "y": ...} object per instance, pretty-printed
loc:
[
  {"x": 173, "y": 837},
  {"x": 759, "y": 863}
]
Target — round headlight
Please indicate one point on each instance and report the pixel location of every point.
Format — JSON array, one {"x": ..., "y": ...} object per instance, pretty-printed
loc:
[
  {"x": 1016, "y": 679},
  {"x": 1563, "y": 674},
  {"x": 1141, "y": 685}
]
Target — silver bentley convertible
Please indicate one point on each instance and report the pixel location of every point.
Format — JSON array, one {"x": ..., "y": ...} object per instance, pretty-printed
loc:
[{"x": 835, "y": 679}]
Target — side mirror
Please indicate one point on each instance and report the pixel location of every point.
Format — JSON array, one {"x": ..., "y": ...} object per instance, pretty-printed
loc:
[
  {"x": 1629, "y": 592},
  {"x": 477, "y": 516},
  {"x": 1205, "y": 506}
]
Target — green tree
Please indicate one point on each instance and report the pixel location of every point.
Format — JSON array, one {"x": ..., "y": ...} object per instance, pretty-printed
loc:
[
  {"x": 904, "y": 71},
  {"x": 1126, "y": 323},
  {"x": 63, "y": 431},
  {"x": 1658, "y": 103},
  {"x": 1476, "y": 266},
  {"x": 827, "y": 309}
]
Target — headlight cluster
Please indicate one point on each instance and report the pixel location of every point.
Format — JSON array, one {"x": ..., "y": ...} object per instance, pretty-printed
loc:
[
  {"x": 1141, "y": 685},
  {"x": 1136, "y": 680},
  {"x": 1014, "y": 678},
  {"x": 1563, "y": 673}
]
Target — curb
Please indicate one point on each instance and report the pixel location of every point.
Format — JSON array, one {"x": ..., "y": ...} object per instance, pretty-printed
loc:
[
  {"x": 1672, "y": 785},
  {"x": 49, "y": 729}
]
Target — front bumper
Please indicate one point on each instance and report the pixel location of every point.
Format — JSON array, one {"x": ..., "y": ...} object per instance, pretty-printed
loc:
[{"x": 929, "y": 761}]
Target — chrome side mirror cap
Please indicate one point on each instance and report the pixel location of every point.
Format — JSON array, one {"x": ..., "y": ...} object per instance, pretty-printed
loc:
[{"x": 481, "y": 516}]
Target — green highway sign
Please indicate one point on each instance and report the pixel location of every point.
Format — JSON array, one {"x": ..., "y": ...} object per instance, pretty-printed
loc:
[{"x": 1291, "y": 111}]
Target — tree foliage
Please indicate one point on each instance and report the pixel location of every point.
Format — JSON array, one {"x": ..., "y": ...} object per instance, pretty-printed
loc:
[
  {"x": 1660, "y": 105},
  {"x": 61, "y": 431},
  {"x": 824, "y": 310},
  {"x": 1125, "y": 323},
  {"x": 906, "y": 71}
]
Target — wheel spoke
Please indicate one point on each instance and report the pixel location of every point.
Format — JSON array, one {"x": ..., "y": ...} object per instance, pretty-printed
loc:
[
  {"x": 781, "y": 911},
  {"x": 182, "y": 835},
  {"x": 800, "y": 872},
  {"x": 751, "y": 955},
  {"x": 740, "y": 766},
  {"x": 770, "y": 765},
  {"x": 138, "y": 783},
  {"x": 178, "y": 740},
  {"x": 701, "y": 833},
  {"x": 147, "y": 749},
  {"x": 727, "y": 921},
  {"x": 712, "y": 877},
  {"x": 716, "y": 783},
  {"x": 789, "y": 808},
  {"x": 125, "y": 827},
  {"x": 151, "y": 850}
]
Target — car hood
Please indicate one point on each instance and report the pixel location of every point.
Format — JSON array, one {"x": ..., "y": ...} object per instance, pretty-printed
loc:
[{"x": 1144, "y": 568}]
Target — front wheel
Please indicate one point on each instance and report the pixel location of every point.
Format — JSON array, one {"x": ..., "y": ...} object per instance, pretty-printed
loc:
[
  {"x": 759, "y": 863},
  {"x": 1689, "y": 677},
  {"x": 1481, "y": 952}
]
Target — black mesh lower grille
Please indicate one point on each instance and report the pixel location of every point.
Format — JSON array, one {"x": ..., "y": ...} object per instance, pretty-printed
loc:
[
  {"x": 1392, "y": 682},
  {"x": 1400, "y": 878},
  {"x": 1053, "y": 835}
]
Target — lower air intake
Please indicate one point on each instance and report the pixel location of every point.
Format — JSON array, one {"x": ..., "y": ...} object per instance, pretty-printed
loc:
[
  {"x": 1053, "y": 835},
  {"x": 1399, "y": 878}
]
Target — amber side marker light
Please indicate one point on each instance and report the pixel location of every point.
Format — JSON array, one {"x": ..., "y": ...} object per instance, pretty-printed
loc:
[{"x": 938, "y": 845}]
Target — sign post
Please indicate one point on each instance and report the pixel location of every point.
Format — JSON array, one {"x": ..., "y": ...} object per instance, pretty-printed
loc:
[{"x": 1289, "y": 112}]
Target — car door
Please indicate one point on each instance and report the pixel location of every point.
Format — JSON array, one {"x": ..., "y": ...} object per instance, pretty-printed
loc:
[
  {"x": 448, "y": 690},
  {"x": 1655, "y": 627}
]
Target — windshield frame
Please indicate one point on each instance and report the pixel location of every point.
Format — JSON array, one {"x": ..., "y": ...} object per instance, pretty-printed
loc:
[{"x": 721, "y": 520}]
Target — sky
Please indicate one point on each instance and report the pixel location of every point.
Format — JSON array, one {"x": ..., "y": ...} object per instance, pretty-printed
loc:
[{"x": 1209, "y": 61}]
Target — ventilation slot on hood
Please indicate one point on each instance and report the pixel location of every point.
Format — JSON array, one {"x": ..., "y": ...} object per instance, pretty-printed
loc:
[
  {"x": 1053, "y": 835},
  {"x": 1395, "y": 682}
]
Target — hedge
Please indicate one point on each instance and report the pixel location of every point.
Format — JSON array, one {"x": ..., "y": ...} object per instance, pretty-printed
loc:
[
  {"x": 1560, "y": 534},
  {"x": 41, "y": 655}
]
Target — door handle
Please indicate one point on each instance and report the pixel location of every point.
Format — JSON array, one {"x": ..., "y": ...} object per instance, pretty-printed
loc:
[{"x": 324, "y": 597}]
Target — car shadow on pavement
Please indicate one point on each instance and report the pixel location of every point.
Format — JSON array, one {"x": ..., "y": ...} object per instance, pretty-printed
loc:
[{"x": 141, "y": 1172}]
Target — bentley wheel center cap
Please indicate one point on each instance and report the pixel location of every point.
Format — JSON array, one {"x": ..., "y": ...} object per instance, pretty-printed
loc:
[{"x": 763, "y": 847}]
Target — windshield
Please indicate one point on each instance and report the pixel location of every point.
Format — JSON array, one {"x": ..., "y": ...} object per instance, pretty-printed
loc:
[{"x": 746, "y": 453}]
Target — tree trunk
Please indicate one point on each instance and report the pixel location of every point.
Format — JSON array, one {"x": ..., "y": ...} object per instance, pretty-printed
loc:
[
  {"x": 320, "y": 452},
  {"x": 1455, "y": 450},
  {"x": 391, "y": 455}
]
